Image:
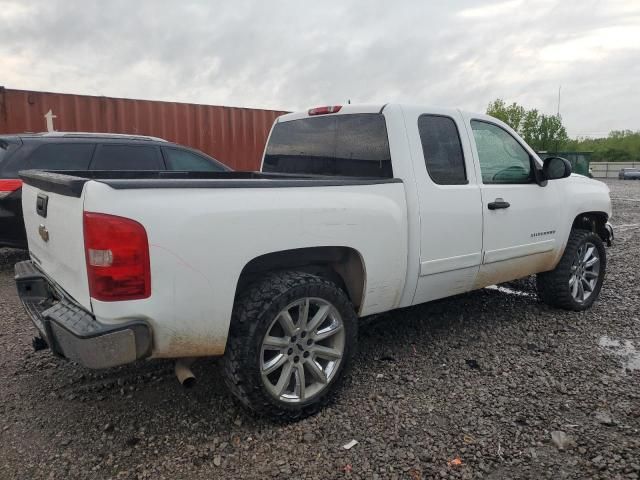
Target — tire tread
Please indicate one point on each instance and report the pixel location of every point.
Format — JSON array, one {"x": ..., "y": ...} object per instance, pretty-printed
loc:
[
  {"x": 553, "y": 288},
  {"x": 239, "y": 360}
]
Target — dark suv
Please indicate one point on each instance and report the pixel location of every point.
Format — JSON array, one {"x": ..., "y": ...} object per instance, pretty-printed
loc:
[{"x": 82, "y": 151}]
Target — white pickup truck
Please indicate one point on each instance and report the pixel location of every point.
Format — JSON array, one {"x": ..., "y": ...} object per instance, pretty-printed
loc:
[{"x": 358, "y": 210}]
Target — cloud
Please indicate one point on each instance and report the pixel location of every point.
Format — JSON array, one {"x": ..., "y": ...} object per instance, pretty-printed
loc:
[
  {"x": 290, "y": 55},
  {"x": 492, "y": 10}
]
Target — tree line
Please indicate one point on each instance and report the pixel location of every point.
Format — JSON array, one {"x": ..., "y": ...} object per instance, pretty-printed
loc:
[{"x": 547, "y": 133}]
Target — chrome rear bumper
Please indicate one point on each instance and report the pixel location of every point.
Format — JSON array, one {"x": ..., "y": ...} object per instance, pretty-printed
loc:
[{"x": 72, "y": 332}]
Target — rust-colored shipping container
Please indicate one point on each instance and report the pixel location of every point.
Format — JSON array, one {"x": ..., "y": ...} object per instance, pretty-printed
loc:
[{"x": 235, "y": 136}]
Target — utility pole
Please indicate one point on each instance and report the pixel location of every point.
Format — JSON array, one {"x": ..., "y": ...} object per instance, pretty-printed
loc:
[{"x": 558, "y": 113}]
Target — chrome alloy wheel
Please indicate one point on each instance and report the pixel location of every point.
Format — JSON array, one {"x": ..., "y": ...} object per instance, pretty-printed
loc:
[
  {"x": 585, "y": 271},
  {"x": 302, "y": 350}
]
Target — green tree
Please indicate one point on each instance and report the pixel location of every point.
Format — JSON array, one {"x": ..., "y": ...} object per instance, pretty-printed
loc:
[
  {"x": 512, "y": 114},
  {"x": 553, "y": 136},
  {"x": 618, "y": 146},
  {"x": 529, "y": 127},
  {"x": 540, "y": 131},
  {"x": 546, "y": 132}
]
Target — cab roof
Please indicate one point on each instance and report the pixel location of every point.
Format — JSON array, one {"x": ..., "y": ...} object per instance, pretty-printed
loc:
[{"x": 365, "y": 108}]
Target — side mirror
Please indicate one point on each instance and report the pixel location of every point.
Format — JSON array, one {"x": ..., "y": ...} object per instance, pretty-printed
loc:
[{"x": 556, "y": 167}]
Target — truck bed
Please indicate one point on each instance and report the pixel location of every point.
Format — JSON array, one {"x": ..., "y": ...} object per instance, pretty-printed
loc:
[
  {"x": 204, "y": 230},
  {"x": 71, "y": 182}
]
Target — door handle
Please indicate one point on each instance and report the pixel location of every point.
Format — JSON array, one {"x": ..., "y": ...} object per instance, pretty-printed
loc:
[{"x": 498, "y": 203}]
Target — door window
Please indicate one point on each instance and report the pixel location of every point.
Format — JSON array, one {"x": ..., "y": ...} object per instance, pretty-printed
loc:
[
  {"x": 442, "y": 150},
  {"x": 61, "y": 156},
  {"x": 127, "y": 157},
  {"x": 502, "y": 158},
  {"x": 186, "y": 161}
]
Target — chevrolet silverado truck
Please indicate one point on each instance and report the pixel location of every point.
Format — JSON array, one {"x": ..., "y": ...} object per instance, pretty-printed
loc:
[{"x": 357, "y": 210}]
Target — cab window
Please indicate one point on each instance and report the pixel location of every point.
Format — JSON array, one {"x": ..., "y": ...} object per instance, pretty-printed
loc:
[{"x": 442, "y": 150}]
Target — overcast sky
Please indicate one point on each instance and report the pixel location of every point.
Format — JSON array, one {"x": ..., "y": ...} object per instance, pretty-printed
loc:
[{"x": 294, "y": 54}]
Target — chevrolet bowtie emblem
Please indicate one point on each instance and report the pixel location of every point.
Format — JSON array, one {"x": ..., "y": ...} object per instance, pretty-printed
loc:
[{"x": 44, "y": 233}]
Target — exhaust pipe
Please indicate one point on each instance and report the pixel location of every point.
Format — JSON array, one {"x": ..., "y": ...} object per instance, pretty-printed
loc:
[
  {"x": 183, "y": 371},
  {"x": 39, "y": 343}
]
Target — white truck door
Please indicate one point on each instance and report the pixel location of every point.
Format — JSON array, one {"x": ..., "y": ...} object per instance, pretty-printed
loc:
[
  {"x": 450, "y": 206},
  {"x": 521, "y": 218}
]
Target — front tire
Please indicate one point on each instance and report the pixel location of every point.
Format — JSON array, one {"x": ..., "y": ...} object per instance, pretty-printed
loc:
[
  {"x": 576, "y": 281},
  {"x": 291, "y": 340}
]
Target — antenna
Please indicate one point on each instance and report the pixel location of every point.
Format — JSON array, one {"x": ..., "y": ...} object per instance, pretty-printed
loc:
[
  {"x": 559, "y": 88},
  {"x": 558, "y": 114}
]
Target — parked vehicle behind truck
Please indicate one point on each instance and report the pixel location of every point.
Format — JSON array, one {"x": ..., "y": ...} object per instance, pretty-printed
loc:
[
  {"x": 629, "y": 174},
  {"x": 358, "y": 210},
  {"x": 82, "y": 151}
]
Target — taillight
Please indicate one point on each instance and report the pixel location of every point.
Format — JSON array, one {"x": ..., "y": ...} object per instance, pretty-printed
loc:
[
  {"x": 8, "y": 186},
  {"x": 117, "y": 252},
  {"x": 325, "y": 110}
]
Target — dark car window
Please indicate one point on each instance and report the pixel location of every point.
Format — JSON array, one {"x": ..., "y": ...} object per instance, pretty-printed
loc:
[
  {"x": 442, "y": 150},
  {"x": 342, "y": 145},
  {"x": 61, "y": 156},
  {"x": 7, "y": 147},
  {"x": 127, "y": 157},
  {"x": 184, "y": 160}
]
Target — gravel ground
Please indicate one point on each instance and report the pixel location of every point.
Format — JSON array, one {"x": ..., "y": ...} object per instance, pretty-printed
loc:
[{"x": 477, "y": 386}]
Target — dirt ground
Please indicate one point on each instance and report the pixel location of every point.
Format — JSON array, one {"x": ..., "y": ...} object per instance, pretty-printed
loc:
[{"x": 468, "y": 387}]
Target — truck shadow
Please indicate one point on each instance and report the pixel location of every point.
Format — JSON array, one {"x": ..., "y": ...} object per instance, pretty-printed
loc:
[
  {"x": 10, "y": 256},
  {"x": 136, "y": 404},
  {"x": 141, "y": 414}
]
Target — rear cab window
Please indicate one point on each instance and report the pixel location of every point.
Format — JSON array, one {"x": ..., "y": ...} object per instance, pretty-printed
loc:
[
  {"x": 127, "y": 157},
  {"x": 353, "y": 145}
]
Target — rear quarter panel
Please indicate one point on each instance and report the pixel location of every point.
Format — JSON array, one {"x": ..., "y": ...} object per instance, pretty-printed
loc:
[{"x": 201, "y": 239}]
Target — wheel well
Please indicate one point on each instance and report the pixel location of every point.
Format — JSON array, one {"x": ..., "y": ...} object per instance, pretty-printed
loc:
[
  {"x": 594, "y": 222},
  {"x": 342, "y": 265}
]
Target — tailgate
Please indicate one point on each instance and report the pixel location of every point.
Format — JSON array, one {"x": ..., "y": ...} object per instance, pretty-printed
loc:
[{"x": 53, "y": 220}]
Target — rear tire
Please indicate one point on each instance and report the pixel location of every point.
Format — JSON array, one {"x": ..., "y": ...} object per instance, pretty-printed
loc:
[
  {"x": 291, "y": 340},
  {"x": 576, "y": 281}
]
